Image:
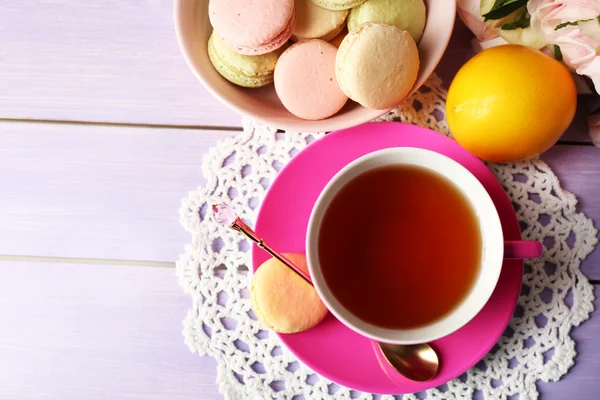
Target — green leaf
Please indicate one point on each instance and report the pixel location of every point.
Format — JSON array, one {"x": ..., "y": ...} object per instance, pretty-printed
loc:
[
  {"x": 502, "y": 8},
  {"x": 570, "y": 23},
  {"x": 557, "y": 53},
  {"x": 521, "y": 23}
]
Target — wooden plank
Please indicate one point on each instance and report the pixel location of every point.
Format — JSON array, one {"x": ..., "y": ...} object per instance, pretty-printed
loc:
[
  {"x": 90, "y": 191},
  {"x": 578, "y": 168},
  {"x": 101, "y": 61},
  {"x": 96, "y": 332},
  {"x": 119, "y": 62}
]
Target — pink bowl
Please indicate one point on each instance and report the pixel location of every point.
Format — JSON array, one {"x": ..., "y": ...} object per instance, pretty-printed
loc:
[{"x": 193, "y": 30}]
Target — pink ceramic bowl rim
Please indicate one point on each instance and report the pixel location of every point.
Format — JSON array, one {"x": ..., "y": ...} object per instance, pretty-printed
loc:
[
  {"x": 333, "y": 350},
  {"x": 355, "y": 117}
]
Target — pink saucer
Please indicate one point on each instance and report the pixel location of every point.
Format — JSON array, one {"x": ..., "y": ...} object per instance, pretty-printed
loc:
[{"x": 333, "y": 350}]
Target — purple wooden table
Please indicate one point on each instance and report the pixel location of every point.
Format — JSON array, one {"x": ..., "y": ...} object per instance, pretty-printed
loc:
[{"x": 102, "y": 131}]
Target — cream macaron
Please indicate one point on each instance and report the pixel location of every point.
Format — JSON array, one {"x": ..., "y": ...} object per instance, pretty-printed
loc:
[
  {"x": 282, "y": 300},
  {"x": 408, "y": 15},
  {"x": 377, "y": 65},
  {"x": 314, "y": 22}
]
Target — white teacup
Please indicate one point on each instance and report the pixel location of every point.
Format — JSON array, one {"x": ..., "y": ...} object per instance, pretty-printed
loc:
[{"x": 494, "y": 249}]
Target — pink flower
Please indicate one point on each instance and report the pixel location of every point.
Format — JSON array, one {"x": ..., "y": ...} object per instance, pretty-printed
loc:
[
  {"x": 546, "y": 15},
  {"x": 489, "y": 32},
  {"x": 470, "y": 13},
  {"x": 574, "y": 27}
]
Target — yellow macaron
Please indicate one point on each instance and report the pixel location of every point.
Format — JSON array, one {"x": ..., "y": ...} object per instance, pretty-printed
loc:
[
  {"x": 314, "y": 22},
  {"x": 282, "y": 300}
]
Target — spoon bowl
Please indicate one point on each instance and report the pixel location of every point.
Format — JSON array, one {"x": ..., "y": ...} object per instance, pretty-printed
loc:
[{"x": 417, "y": 362}]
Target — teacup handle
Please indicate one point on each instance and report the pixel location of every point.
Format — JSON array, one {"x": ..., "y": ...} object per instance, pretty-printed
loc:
[{"x": 521, "y": 249}]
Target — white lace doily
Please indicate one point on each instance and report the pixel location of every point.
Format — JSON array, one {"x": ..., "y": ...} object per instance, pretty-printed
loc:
[{"x": 252, "y": 363}]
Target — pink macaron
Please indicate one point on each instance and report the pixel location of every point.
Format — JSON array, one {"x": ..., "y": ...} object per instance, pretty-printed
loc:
[
  {"x": 305, "y": 80},
  {"x": 253, "y": 27}
]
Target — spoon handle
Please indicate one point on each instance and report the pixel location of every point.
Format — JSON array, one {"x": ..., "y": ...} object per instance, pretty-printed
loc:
[{"x": 244, "y": 229}]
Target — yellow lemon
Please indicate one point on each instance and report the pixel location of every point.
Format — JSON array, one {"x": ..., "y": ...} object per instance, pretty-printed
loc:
[{"x": 510, "y": 103}]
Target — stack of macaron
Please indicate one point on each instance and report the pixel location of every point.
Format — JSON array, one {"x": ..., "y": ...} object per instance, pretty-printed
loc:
[{"x": 316, "y": 64}]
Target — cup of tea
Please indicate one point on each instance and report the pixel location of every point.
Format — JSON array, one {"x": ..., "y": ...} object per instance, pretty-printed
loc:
[{"x": 405, "y": 245}]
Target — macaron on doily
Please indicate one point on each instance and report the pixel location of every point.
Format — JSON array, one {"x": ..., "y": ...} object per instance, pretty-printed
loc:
[
  {"x": 407, "y": 15},
  {"x": 376, "y": 65},
  {"x": 282, "y": 300},
  {"x": 305, "y": 80},
  {"x": 338, "y": 4},
  {"x": 240, "y": 69},
  {"x": 314, "y": 22},
  {"x": 253, "y": 27}
]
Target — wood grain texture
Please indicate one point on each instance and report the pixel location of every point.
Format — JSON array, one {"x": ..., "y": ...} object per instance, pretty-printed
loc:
[
  {"x": 72, "y": 331},
  {"x": 86, "y": 191},
  {"x": 578, "y": 169},
  {"x": 95, "y": 332},
  {"x": 101, "y": 61},
  {"x": 101, "y": 332},
  {"x": 119, "y": 62}
]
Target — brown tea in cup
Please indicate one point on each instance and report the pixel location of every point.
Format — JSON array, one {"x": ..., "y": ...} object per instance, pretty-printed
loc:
[{"x": 400, "y": 246}]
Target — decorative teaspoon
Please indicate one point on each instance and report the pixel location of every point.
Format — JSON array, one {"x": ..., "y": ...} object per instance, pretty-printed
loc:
[{"x": 416, "y": 362}]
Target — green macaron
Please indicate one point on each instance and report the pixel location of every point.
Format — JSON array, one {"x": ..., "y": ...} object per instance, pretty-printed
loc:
[
  {"x": 338, "y": 4},
  {"x": 408, "y": 15},
  {"x": 240, "y": 69}
]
